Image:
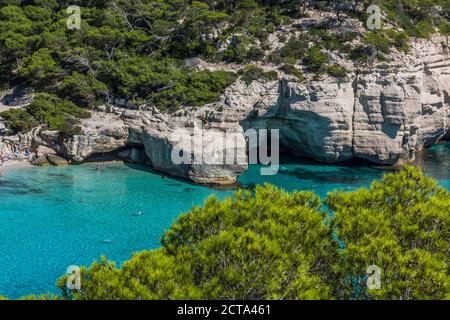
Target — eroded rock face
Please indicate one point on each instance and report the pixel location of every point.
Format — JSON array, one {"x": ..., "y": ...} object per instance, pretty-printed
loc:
[
  {"x": 382, "y": 113},
  {"x": 102, "y": 133},
  {"x": 157, "y": 134},
  {"x": 403, "y": 106},
  {"x": 314, "y": 120}
]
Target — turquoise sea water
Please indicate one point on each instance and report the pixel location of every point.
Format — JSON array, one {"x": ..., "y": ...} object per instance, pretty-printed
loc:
[{"x": 51, "y": 218}]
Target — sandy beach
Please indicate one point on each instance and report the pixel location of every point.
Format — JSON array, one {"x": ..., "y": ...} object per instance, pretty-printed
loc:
[{"x": 15, "y": 164}]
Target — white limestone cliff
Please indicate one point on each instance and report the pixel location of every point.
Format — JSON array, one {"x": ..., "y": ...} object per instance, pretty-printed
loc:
[{"x": 382, "y": 112}]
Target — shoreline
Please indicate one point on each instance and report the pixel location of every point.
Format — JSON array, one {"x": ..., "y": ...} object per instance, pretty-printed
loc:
[{"x": 16, "y": 164}]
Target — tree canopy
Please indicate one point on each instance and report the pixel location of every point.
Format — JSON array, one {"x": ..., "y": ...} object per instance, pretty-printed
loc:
[
  {"x": 270, "y": 244},
  {"x": 138, "y": 50},
  {"x": 402, "y": 225}
]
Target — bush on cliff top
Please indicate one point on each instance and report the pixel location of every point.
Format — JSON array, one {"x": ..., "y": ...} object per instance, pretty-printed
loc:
[
  {"x": 57, "y": 114},
  {"x": 128, "y": 49},
  {"x": 135, "y": 50},
  {"x": 18, "y": 120},
  {"x": 274, "y": 245},
  {"x": 251, "y": 73}
]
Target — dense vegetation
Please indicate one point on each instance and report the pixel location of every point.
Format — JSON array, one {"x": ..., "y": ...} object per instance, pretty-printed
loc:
[
  {"x": 139, "y": 50},
  {"x": 401, "y": 224},
  {"x": 269, "y": 244}
]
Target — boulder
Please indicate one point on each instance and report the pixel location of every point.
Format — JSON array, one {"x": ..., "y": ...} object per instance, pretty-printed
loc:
[
  {"x": 41, "y": 161},
  {"x": 42, "y": 151},
  {"x": 56, "y": 160}
]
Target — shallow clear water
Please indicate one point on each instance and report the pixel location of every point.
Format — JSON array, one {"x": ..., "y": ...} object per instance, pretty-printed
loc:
[{"x": 51, "y": 218}]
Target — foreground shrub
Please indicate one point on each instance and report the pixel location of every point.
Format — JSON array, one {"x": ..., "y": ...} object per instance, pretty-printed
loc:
[
  {"x": 402, "y": 225},
  {"x": 270, "y": 245},
  {"x": 275, "y": 245}
]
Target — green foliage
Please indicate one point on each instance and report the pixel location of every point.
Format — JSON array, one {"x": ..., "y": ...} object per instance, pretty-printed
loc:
[
  {"x": 251, "y": 73},
  {"x": 267, "y": 245},
  {"x": 417, "y": 17},
  {"x": 293, "y": 51},
  {"x": 151, "y": 39},
  {"x": 18, "y": 120},
  {"x": 119, "y": 40},
  {"x": 383, "y": 40},
  {"x": 316, "y": 59},
  {"x": 83, "y": 89},
  {"x": 333, "y": 41},
  {"x": 360, "y": 53},
  {"x": 378, "y": 40},
  {"x": 425, "y": 29},
  {"x": 398, "y": 39},
  {"x": 57, "y": 114},
  {"x": 292, "y": 70},
  {"x": 161, "y": 82},
  {"x": 336, "y": 71},
  {"x": 273, "y": 245},
  {"x": 255, "y": 53},
  {"x": 402, "y": 225},
  {"x": 444, "y": 27},
  {"x": 40, "y": 68},
  {"x": 242, "y": 50}
]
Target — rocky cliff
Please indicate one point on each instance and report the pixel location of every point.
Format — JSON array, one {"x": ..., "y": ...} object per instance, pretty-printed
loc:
[{"x": 382, "y": 112}]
